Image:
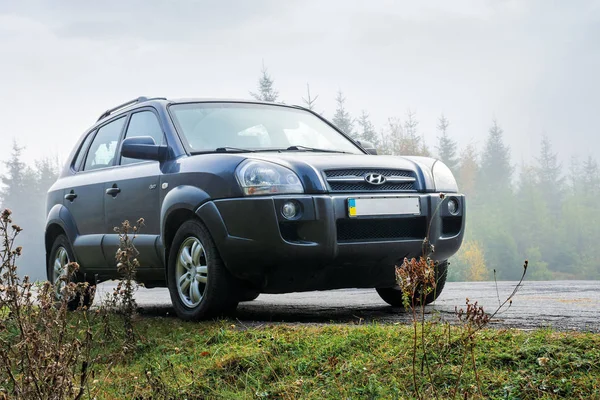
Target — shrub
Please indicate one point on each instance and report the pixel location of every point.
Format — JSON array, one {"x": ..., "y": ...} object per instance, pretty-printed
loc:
[{"x": 44, "y": 353}]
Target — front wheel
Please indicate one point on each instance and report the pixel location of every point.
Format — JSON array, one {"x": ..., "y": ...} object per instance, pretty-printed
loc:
[
  {"x": 248, "y": 295},
  {"x": 199, "y": 283},
  {"x": 393, "y": 295}
]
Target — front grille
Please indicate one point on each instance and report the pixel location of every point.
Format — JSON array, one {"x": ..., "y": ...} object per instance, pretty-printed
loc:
[
  {"x": 353, "y": 180},
  {"x": 356, "y": 230},
  {"x": 363, "y": 172}
]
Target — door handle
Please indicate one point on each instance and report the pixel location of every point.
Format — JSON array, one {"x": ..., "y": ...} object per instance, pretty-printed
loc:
[
  {"x": 113, "y": 191},
  {"x": 70, "y": 196}
]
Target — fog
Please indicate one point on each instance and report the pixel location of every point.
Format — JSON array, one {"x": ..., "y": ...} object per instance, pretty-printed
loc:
[{"x": 531, "y": 65}]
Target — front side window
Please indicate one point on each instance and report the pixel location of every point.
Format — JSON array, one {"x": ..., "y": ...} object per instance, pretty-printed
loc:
[
  {"x": 209, "y": 126},
  {"x": 143, "y": 123},
  {"x": 104, "y": 147}
]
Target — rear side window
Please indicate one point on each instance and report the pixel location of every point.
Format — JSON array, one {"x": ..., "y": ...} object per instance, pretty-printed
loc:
[
  {"x": 143, "y": 123},
  {"x": 104, "y": 147},
  {"x": 81, "y": 152}
]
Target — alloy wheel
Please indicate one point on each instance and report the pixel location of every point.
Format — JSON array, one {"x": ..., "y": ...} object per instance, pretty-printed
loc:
[{"x": 191, "y": 272}]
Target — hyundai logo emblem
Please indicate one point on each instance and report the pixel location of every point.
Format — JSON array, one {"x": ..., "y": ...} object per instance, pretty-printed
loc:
[{"x": 375, "y": 179}]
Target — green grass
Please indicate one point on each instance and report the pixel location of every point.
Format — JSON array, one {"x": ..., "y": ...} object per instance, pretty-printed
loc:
[{"x": 227, "y": 360}]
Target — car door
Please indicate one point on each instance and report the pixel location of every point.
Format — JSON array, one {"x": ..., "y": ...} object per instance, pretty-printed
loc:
[
  {"x": 133, "y": 193},
  {"x": 84, "y": 192}
]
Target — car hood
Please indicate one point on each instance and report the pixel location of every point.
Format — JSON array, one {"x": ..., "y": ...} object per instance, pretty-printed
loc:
[
  {"x": 312, "y": 165},
  {"x": 323, "y": 161}
]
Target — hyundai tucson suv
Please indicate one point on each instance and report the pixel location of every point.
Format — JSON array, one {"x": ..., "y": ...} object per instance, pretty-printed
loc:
[{"x": 241, "y": 198}]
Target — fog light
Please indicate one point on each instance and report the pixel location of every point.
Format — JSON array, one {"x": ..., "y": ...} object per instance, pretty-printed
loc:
[
  {"x": 290, "y": 210},
  {"x": 453, "y": 206}
]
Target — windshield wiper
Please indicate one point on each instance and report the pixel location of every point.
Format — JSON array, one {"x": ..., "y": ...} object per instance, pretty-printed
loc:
[
  {"x": 226, "y": 149},
  {"x": 305, "y": 148}
]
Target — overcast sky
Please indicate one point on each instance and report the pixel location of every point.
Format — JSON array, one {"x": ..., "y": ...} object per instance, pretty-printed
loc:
[{"x": 532, "y": 65}]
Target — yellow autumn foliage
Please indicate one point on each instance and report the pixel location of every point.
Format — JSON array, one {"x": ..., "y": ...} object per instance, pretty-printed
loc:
[{"x": 473, "y": 258}]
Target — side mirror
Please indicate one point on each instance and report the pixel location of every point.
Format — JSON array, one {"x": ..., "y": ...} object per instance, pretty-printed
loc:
[
  {"x": 143, "y": 148},
  {"x": 368, "y": 146}
]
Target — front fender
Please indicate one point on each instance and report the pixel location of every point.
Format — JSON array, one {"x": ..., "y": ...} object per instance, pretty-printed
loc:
[
  {"x": 182, "y": 197},
  {"x": 424, "y": 165}
]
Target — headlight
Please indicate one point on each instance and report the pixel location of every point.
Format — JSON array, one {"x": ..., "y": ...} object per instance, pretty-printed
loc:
[
  {"x": 443, "y": 178},
  {"x": 261, "y": 177}
]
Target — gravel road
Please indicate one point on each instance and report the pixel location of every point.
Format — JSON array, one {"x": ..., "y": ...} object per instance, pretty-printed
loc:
[{"x": 564, "y": 305}]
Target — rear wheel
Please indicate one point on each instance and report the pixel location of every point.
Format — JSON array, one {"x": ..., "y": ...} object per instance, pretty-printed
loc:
[
  {"x": 57, "y": 271},
  {"x": 393, "y": 295},
  {"x": 199, "y": 283}
]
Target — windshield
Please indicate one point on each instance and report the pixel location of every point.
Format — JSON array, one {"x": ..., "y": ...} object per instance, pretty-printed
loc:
[{"x": 207, "y": 127}]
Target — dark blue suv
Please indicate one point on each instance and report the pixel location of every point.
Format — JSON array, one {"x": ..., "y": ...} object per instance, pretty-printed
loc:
[{"x": 241, "y": 198}]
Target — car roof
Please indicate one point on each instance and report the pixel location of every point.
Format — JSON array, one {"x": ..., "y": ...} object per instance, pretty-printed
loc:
[
  {"x": 163, "y": 101},
  {"x": 226, "y": 100}
]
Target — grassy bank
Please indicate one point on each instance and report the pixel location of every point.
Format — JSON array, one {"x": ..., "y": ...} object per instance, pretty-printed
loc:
[{"x": 176, "y": 359}]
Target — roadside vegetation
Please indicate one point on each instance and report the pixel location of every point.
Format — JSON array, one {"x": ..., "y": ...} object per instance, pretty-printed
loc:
[
  {"x": 228, "y": 360},
  {"x": 51, "y": 344}
]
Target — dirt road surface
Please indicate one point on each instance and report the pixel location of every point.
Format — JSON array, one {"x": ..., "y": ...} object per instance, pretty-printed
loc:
[{"x": 563, "y": 305}]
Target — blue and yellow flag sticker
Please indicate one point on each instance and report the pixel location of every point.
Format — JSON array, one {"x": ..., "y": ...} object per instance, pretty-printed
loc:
[{"x": 352, "y": 207}]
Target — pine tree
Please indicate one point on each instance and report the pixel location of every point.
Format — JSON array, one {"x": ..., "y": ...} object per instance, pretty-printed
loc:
[
  {"x": 47, "y": 173},
  {"x": 367, "y": 130},
  {"x": 574, "y": 177},
  {"x": 579, "y": 223},
  {"x": 590, "y": 176},
  {"x": 309, "y": 101},
  {"x": 342, "y": 118},
  {"x": 266, "y": 90},
  {"x": 532, "y": 212},
  {"x": 549, "y": 175},
  {"x": 385, "y": 147},
  {"x": 446, "y": 146},
  {"x": 22, "y": 194},
  {"x": 413, "y": 143},
  {"x": 496, "y": 169},
  {"x": 494, "y": 209},
  {"x": 15, "y": 179},
  {"x": 395, "y": 137},
  {"x": 468, "y": 170}
]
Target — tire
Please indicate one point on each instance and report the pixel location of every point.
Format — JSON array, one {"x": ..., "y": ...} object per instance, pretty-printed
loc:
[
  {"x": 249, "y": 295},
  {"x": 393, "y": 295},
  {"x": 61, "y": 254},
  {"x": 207, "y": 288}
]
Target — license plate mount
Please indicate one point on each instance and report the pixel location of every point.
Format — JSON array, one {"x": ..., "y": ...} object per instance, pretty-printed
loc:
[{"x": 383, "y": 206}]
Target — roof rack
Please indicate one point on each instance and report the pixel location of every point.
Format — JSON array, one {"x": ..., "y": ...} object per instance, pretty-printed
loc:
[{"x": 140, "y": 99}]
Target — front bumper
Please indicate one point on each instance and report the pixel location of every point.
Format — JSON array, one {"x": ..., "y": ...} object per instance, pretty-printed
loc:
[{"x": 324, "y": 248}]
